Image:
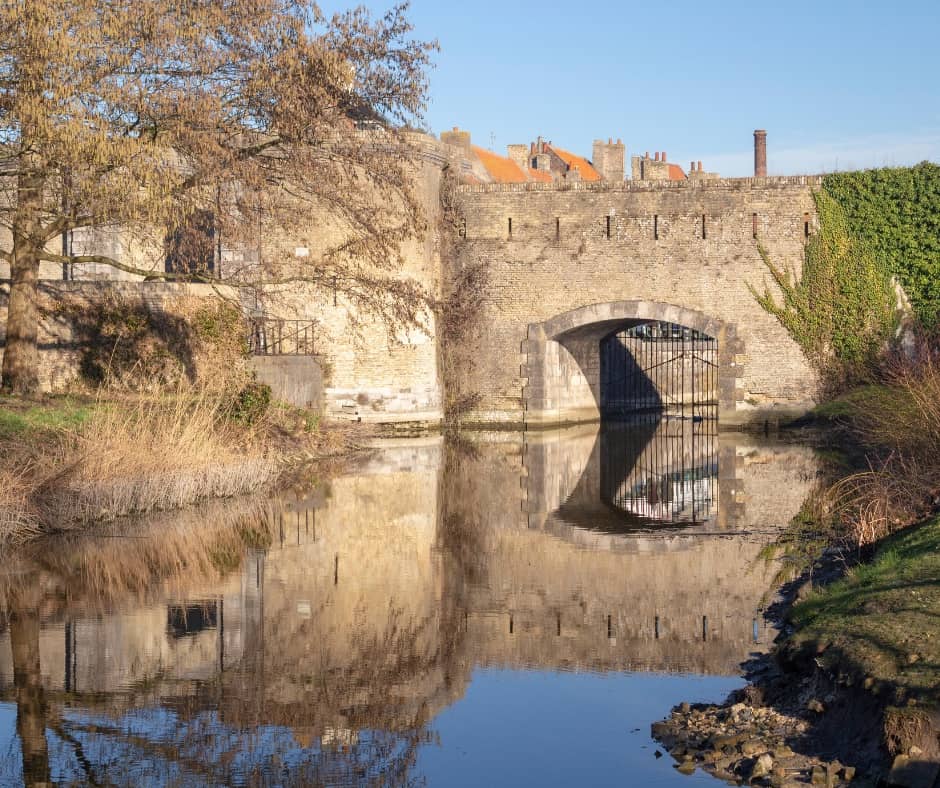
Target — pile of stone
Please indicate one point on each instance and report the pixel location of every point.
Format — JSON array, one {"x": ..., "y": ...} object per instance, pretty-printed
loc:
[{"x": 744, "y": 744}]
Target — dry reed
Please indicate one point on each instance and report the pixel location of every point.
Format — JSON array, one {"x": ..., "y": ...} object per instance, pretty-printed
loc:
[
  {"x": 136, "y": 559},
  {"x": 19, "y": 520},
  {"x": 900, "y": 421},
  {"x": 149, "y": 454}
]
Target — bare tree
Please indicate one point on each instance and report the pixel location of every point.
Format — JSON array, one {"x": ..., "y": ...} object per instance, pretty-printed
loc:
[{"x": 169, "y": 117}]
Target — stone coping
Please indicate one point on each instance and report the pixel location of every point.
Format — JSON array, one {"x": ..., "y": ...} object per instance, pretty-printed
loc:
[{"x": 776, "y": 181}]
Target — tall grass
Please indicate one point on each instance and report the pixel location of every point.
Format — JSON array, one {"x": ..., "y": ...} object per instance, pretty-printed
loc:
[
  {"x": 152, "y": 453},
  {"x": 899, "y": 422},
  {"x": 131, "y": 455},
  {"x": 19, "y": 520}
]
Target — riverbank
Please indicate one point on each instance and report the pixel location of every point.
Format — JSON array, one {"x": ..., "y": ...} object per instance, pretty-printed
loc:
[
  {"x": 851, "y": 692},
  {"x": 75, "y": 460}
]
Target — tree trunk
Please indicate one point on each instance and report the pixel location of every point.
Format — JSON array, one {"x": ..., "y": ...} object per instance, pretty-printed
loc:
[{"x": 21, "y": 355}]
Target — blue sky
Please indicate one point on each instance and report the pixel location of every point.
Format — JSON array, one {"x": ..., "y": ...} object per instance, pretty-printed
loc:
[{"x": 837, "y": 85}]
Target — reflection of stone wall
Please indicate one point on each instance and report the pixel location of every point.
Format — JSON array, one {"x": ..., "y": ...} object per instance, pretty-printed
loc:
[
  {"x": 351, "y": 595},
  {"x": 543, "y": 570},
  {"x": 380, "y": 595},
  {"x": 775, "y": 478},
  {"x": 559, "y": 596},
  {"x": 131, "y": 648}
]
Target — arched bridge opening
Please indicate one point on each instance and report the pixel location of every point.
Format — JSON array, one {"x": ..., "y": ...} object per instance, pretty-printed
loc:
[
  {"x": 619, "y": 359},
  {"x": 658, "y": 367}
]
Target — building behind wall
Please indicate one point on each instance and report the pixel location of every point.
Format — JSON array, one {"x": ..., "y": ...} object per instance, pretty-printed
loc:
[
  {"x": 540, "y": 161},
  {"x": 658, "y": 168}
]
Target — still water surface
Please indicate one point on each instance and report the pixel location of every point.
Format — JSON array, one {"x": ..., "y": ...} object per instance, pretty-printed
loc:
[{"x": 507, "y": 610}]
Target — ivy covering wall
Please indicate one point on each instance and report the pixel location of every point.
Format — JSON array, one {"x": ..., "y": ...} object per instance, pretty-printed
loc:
[
  {"x": 895, "y": 212},
  {"x": 841, "y": 311},
  {"x": 873, "y": 225}
]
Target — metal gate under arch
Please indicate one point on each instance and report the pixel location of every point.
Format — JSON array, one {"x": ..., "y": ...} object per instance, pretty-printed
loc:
[{"x": 659, "y": 367}]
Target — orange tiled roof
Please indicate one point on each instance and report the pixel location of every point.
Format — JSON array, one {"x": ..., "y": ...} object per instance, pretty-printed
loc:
[
  {"x": 540, "y": 175},
  {"x": 501, "y": 170},
  {"x": 676, "y": 173},
  {"x": 588, "y": 173}
]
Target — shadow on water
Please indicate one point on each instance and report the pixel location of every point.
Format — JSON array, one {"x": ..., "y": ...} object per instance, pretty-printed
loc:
[{"x": 375, "y": 631}]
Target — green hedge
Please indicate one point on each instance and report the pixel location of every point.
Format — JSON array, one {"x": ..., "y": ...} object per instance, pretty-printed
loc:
[{"x": 895, "y": 212}]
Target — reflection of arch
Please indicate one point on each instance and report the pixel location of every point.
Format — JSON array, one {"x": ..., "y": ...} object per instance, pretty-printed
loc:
[
  {"x": 563, "y": 359},
  {"x": 630, "y": 464}
]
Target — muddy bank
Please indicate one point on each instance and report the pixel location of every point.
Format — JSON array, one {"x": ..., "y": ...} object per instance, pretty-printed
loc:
[
  {"x": 789, "y": 729},
  {"x": 843, "y": 698}
]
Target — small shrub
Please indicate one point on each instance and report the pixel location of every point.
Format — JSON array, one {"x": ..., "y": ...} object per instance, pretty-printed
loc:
[
  {"x": 251, "y": 403},
  {"x": 311, "y": 422}
]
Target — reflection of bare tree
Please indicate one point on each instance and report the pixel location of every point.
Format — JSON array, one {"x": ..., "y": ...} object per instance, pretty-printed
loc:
[
  {"x": 31, "y": 707},
  {"x": 202, "y": 751},
  {"x": 462, "y": 538}
]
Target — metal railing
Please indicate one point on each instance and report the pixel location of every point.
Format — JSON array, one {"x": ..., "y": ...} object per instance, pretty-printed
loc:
[{"x": 276, "y": 337}]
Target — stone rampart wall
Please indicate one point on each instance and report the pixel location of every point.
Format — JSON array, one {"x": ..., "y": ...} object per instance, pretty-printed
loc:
[
  {"x": 641, "y": 245},
  {"x": 62, "y": 344}
]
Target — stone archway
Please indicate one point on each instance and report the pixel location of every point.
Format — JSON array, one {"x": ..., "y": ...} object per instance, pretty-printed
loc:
[{"x": 562, "y": 357}]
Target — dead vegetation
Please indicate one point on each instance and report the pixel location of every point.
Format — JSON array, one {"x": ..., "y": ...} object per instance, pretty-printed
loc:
[
  {"x": 161, "y": 453},
  {"x": 898, "y": 425},
  {"x": 140, "y": 557},
  {"x": 18, "y": 519},
  {"x": 130, "y": 455}
]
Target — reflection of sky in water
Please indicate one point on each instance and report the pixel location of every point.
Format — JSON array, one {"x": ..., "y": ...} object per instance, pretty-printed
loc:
[
  {"x": 561, "y": 729},
  {"x": 430, "y": 619},
  {"x": 511, "y": 728},
  {"x": 672, "y": 498},
  {"x": 661, "y": 472}
]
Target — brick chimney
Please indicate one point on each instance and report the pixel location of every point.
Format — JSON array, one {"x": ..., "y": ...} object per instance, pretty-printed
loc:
[
  {"x": 519, "y": 154},
  {"x": 760, "y": 153}
]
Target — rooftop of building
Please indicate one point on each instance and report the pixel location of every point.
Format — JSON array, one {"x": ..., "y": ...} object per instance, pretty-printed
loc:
[{"x": 583, "y": 166}]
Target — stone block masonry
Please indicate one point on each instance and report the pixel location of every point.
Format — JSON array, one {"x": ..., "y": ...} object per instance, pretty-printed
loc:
[
  {"x": 585, "y": 260},
  {"x": 62, "y": 344},
  {"x": 564, "y": 265}
]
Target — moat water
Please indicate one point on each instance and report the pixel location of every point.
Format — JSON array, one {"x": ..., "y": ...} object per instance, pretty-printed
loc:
[{"x": 505, "y": 609}]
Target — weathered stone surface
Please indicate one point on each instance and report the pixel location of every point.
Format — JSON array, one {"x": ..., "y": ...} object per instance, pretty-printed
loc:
[
  {"x": 531, "y": 356},
  {"x": 586, "y": 278}
]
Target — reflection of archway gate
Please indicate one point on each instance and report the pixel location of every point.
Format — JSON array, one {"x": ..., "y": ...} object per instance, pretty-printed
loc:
[
  {"x": 562, "y": 367},
  {"x": 671, "y": 479},
  {"x": 659, "y": 367}
]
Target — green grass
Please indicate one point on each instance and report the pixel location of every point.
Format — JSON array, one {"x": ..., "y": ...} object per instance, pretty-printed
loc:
[
  {"x": 883, "y": 619},
  {"x": 851, "y": 403},
  {"x": 19, "y": 419}
]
